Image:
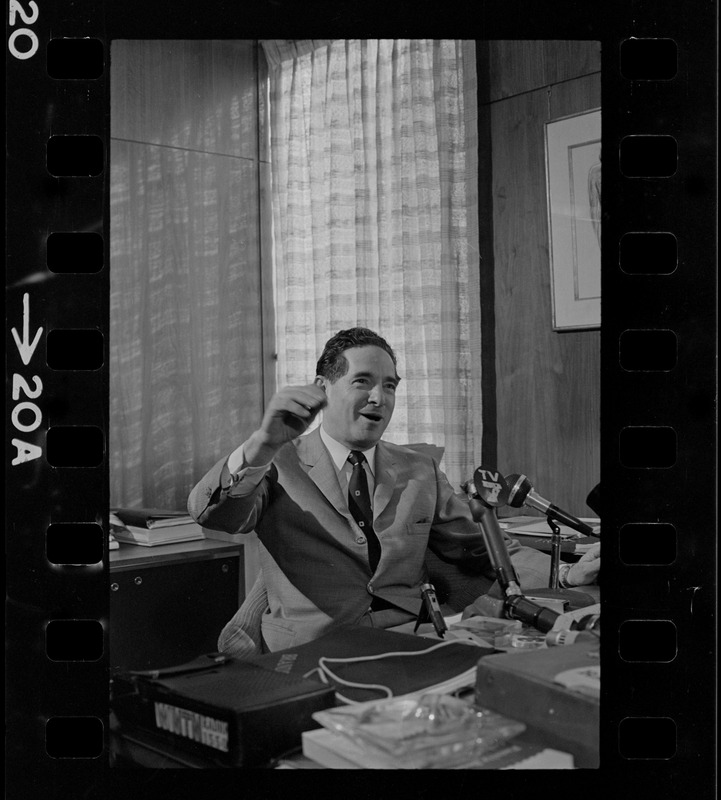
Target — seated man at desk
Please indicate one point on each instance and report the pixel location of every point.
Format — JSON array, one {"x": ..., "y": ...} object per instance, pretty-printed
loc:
[{"x": 344, "y": 518}]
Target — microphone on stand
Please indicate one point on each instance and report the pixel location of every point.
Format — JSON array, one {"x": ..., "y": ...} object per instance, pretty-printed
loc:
[
  {"x": 521, "y": 493},
  {"x": 485, "y": 493}
]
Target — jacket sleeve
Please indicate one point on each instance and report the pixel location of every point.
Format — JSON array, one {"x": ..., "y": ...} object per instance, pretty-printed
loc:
[{"x": 216, "y": 508}]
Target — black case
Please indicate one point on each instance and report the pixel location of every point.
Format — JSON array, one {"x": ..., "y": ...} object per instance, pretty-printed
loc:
[{"x": 233, "y": 714}]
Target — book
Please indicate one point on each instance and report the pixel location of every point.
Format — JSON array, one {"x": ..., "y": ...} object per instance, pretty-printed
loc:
[
  {"x": 335, "y": 751},
  {"x": 132, "y": 534},
  {"x": 524, "y": 687},
  {"x": 152, "y": 517},
  {"x": 360, "y": 660}
]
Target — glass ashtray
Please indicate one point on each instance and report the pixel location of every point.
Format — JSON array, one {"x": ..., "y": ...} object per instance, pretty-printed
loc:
[
  {"x": 528, "y": 640},
  {"x": 496, "y": 632},
  {"x": 426, "y": 731}
]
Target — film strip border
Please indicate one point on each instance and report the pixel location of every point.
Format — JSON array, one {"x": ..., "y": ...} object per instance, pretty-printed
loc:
[
  {"x": 658, "y": 360},
  {"x": 57, "y": 353},
  {"x": 657, "y": 391}
]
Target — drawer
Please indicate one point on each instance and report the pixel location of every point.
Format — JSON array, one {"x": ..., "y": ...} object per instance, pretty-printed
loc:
[{"x": 165, "y": 615}]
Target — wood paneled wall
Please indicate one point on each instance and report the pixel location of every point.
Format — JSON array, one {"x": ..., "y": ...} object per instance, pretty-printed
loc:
[{"x": 547, "y": 383}]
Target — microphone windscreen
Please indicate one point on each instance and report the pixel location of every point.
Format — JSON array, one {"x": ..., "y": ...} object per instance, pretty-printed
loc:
[{"x": 518, "y": 488}]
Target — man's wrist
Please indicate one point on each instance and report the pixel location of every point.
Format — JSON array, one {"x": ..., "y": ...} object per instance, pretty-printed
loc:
[
  {"x": 563, "y": 573},
  {"x": 237, "y": 470},
  {"x": 257, "y": 452}
]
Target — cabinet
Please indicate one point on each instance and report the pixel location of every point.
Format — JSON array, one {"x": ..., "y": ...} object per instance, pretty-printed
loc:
[{"x": 169, "y": 603}]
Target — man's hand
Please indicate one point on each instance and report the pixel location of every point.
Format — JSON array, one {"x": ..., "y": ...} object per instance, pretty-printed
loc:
[
  {"x": 586, "y": 569},
  {"x": 289, "y": 414}
]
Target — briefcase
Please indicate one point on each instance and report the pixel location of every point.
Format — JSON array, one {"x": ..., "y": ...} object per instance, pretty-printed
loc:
[
  {"x": 231, "y": 714},
  {"x": 523, "y": 686}
]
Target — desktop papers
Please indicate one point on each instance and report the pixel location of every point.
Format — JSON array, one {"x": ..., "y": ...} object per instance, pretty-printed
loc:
[{"x": 538, "y": 526}]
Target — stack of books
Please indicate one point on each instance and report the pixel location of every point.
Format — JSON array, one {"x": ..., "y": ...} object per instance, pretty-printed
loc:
[
  {"x": 335, "y": 751},
  {"x": 153, "y": 526}
]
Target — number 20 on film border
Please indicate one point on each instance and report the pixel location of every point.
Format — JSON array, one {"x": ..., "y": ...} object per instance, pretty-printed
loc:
[{"x": 19, "y": 38}]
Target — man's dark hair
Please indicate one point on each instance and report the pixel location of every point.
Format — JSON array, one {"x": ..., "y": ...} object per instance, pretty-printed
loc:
[{"x": 333, "y": 364}]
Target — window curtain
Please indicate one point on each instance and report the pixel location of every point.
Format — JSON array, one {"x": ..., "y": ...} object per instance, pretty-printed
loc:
[
  {"x": 185, "y": 284},
  {"x": 374, "y": 196}
]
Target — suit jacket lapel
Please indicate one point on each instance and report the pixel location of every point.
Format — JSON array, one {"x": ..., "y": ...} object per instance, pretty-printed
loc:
[
  {"x": 321, "y": 471},
  {"x": 386, "y": 476}
]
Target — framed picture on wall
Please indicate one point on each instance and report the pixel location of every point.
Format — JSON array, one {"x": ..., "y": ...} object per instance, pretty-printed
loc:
[{"x": 573, "y": 186}]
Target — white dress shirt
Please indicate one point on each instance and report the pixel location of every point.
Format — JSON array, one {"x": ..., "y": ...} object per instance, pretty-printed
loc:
[
  {"x": 339, "y": 455},
  {"x": 244, "y": 480}
]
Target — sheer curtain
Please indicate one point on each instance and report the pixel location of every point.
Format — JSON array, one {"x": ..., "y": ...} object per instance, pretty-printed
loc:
[
  {"x": 374, "y": 187},
  {"x": 186, "y": 369}
]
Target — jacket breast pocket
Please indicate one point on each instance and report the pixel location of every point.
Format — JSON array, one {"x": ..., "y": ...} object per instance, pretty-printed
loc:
[{"x": 420, "y": 528}]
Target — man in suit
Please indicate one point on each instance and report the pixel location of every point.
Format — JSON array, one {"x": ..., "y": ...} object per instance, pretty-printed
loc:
[{"x": 344, "y": 518}]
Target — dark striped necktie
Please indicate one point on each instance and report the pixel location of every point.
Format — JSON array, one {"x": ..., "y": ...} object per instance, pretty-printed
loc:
[{"x": 359, "y": 503}]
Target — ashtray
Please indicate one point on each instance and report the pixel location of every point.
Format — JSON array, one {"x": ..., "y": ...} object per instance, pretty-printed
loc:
[{"x": 497, "y": 632}]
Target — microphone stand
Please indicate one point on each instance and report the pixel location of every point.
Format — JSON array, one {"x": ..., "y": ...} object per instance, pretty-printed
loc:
[
  {"x": 555, "y": 554},
  {"x": 485, "y": 493},
  {"x": 515, "y": 604},
  {"x": 573, "y": 598}
]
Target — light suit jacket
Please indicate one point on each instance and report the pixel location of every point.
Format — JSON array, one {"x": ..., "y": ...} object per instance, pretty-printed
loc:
[{"x": 314, "y": 558}]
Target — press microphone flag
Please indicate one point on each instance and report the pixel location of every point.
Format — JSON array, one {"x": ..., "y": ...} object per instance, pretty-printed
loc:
[{"x": 521, "y": 493}]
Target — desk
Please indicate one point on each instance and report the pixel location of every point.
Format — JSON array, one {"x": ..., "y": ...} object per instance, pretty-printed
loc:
[
  {"x": 141, "y": 748},
  {"x": 169, "y": 603}
]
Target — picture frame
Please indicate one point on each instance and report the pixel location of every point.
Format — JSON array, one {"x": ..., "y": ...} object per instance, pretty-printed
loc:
[{"x": 573, "y": 187}]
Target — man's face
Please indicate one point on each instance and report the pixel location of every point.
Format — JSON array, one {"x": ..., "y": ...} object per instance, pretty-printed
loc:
[{"x": 361, "y": 402}]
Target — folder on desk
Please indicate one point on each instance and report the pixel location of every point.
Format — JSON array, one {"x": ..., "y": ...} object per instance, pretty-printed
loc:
[{"x": 525, "y": 526}]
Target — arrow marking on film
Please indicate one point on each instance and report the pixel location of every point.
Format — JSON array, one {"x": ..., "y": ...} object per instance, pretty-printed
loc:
[{"x": 26, "y": 348}]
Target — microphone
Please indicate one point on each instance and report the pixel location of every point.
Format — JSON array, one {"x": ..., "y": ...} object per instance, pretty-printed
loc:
[
  {"x": 486, "y": 492},
  {"x": 520, "y": 493}
]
